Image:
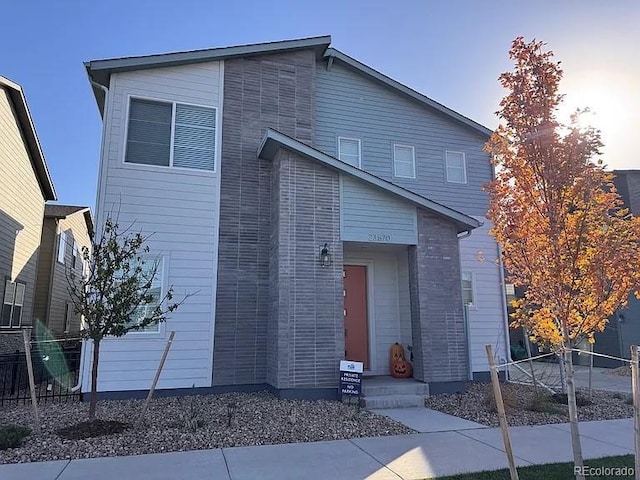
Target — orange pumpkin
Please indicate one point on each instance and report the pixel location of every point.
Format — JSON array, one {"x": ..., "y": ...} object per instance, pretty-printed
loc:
[{"x": 400, "y": 368}]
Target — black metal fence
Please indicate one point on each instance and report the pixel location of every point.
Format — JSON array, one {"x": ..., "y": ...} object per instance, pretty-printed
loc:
[{"x": 55, "y": 374}]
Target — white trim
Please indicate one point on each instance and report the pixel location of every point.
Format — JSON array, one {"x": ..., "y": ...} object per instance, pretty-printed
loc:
[
  {"x": 464, "y": 166},
  {"x": 353, "y": 139},
  {"x": 145, "y": 166},
  {"x": 371, "y": 315},
  {"x": 216, "y": 213},
  {"x": 62, "y": 247},
  {"x": 413, "y": 160}
]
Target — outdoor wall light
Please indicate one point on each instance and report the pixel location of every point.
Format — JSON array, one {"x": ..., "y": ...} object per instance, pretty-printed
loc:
[{"x": 325, "y": 256}]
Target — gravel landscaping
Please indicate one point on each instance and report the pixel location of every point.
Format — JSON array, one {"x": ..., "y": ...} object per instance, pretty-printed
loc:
[
  {"x": 191, "y": 423},
  {"x": 526, "y": 406}
]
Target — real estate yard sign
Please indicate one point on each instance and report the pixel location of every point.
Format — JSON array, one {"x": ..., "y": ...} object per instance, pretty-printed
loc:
[{"x": 351, "y": 378}]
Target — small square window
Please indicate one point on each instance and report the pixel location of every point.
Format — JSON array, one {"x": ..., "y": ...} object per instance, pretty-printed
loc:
[
  {"x": 349, "y": 151},
  {"x": 404, "y": 161},
  {"x": 456, "y": 167}
]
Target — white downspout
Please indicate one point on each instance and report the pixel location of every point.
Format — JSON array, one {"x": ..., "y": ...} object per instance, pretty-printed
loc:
[
  {"x": 505, "y": 313},
  {"x": 83, "y": 348}
]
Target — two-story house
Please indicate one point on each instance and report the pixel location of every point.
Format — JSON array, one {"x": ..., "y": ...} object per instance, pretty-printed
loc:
[
  {"x": 25, "y": 185},
  {"x": 318, "y": 209},
  {"x": 66, "y": 230}
]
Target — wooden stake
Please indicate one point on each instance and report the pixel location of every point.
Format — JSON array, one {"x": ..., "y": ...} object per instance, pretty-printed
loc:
[
  {"x": 636, "y": 407},
  {"x": 590, "y": 370},
  {"x": 32, "y": 382},
  {"x": 502, "y": 416},
  {"x": 155, "y": 380}
]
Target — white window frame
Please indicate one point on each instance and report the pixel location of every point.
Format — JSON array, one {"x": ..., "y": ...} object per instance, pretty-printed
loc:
[
  {"x": 157, "y": 329},
  {"x": 62, "y": 247},
  {"x": 352, "y": 139},
  {"x": 474, "y": 299},
  {"x": 395, "y": 160},
  {"x": 68, "y": 317},
  {"x": 447, "y": 166},
  {"x": 13, "y": 302},
  {"x": 173, "y": 104},
  {"x": 74, "y": 252}
]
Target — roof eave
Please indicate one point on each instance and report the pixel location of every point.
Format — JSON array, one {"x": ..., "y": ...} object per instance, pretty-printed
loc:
[
  {"x": 274, "y": 140},
  {"x": 100, "y": 70},
  {"x": 25, "y": 120},
  {"x": 390, "y": 82}
]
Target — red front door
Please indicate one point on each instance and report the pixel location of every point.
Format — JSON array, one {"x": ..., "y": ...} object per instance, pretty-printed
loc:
[{"x": 356, "y": 332}]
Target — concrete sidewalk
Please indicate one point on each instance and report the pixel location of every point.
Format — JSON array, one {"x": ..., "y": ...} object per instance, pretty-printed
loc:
[{"x": 417, "y": 456}]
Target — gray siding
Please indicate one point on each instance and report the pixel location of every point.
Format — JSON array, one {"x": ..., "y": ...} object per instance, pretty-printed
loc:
[
  {"x": 351, "y": 105},
  {"x": 369, "y": 215},
  {"x": 21, "y": 209},
  {"x": 45, "y": 262}
]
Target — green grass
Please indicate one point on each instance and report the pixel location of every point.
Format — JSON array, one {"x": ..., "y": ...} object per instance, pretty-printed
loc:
[{"x": 553, "y": 471}]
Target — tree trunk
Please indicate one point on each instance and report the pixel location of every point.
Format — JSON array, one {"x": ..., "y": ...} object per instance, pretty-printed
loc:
[
  {"x": 93, "y": 401},
  {"x": 573, "y": 414},
  {"x": 563, "y": 373}
]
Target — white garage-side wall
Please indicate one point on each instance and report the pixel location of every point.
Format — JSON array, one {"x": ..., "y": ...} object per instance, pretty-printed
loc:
[
  {"x": 180, "y": 208},
  {"x": 479, "y": 255},
  {"x": 388, "y": 299}
]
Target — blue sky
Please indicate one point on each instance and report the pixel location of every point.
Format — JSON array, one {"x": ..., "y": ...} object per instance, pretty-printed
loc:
[{"x": 452, "y": 51}]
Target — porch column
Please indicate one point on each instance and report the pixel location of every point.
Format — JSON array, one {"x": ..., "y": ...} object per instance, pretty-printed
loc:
[
  {"x": 437, "y": 321},
  {"x": 305, "y": 334}
]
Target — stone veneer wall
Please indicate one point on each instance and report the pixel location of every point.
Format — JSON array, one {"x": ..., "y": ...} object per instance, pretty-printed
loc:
[
  {"x": 437, "y": 318},
  {"x": 306, "y": 328},
  {"x": 274, "y": 91}
]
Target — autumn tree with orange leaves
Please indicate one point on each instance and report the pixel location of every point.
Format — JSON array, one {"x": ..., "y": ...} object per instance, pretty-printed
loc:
[{"x": 564, "y": 233}]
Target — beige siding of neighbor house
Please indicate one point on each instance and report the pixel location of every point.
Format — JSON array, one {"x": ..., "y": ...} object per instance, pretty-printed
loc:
[
  {"x": 45, "y": 258},
  {"x": 21, "y": 208},
  {"x": 76, "y": 229}
]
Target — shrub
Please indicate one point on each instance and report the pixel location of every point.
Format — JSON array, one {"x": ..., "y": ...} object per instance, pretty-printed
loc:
[
  {"x": 11, "y": 436},
  {"x": 542, "y": 402},
  {"x": 563, "y": 398},
  {"x": 509, "y": 398}
]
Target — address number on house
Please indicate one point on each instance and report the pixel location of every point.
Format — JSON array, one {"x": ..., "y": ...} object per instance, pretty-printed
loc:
[{"x": 379, "y": 237}]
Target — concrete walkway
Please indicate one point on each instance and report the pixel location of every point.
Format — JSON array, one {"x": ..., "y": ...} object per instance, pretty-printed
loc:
[
  {"x": 417, "y": 456},
  {"x": 549, "y": 374}
]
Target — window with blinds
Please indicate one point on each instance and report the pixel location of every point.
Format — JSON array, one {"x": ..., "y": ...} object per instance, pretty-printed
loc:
[
  {"x": 171, "y": 134},
  {"x": 349, "y": 151},
  {"x": 404, "y": 161}
]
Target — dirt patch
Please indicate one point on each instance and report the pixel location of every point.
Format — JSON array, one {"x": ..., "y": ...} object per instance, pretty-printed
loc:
[{"x": 96, "y": 428}]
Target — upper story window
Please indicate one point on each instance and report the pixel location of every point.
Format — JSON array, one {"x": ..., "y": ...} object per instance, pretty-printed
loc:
[
  {"x": 62, "y": 244},
  {"x": 456, "y": 167},
  {"x": 12, "y": 303},
  {"x": 171, "y": 134},
  {"x": 349, "y": 151},
  {"x": 404, "y": 161}
]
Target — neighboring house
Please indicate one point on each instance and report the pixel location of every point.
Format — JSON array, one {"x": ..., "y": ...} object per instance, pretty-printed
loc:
[
  {"x": 623, "y": 329},
  {"x": 65, "y": 231},
  {"x": 318, "y": 209},
  {"x": 25, "y": 185}
]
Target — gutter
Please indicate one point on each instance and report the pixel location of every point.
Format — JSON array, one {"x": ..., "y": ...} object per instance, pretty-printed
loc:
[{"x": 83, "y": 349}]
